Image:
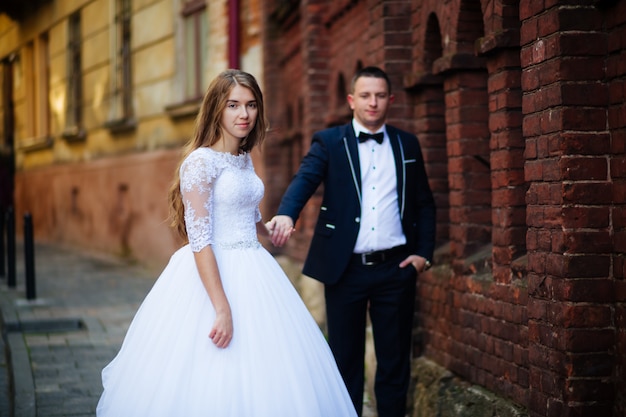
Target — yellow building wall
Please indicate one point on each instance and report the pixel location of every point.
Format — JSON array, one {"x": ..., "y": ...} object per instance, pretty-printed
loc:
[{"x": 108, "y": 191}]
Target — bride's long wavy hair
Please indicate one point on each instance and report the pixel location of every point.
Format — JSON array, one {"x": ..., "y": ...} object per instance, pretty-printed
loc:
[{"x": 208, "y": 131}]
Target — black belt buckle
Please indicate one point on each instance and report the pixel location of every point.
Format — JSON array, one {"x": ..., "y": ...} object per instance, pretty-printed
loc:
[
  {"x": 364, "y": 260},
  {"x": 375, "y": 257}
]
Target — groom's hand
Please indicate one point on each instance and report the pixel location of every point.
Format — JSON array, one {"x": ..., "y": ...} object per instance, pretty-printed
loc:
[{"x": 280, "y": 228}]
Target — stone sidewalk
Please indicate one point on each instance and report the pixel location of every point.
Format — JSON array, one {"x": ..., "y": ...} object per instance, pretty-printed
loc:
[{"x": 60, "y": 341}]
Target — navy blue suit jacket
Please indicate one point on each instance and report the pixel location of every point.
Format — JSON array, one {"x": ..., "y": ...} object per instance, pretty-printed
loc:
[{"x": 333, "y": 160}]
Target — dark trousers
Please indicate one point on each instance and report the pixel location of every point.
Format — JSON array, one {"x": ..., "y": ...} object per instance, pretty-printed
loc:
[{"x": 389, "y": 293}]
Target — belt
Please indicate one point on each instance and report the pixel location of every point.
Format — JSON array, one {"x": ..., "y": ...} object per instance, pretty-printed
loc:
[{"x": 379, "y": 256}]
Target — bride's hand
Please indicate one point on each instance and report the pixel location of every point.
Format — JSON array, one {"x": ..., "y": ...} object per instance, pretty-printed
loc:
[{"x": 222, "y": 331}]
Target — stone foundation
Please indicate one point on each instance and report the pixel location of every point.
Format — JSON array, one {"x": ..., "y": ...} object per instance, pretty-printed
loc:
[{"x": 437, "y": 392}]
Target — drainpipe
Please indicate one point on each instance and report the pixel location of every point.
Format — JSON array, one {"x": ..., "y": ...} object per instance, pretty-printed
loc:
[{"x": 233, "y": 34}]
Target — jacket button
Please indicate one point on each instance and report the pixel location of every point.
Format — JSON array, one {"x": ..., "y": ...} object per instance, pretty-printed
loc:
[{"x": 357, "y": 219}]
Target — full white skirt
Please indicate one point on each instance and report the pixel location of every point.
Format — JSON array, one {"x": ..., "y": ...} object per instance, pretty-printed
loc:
[{"x": 278, "y": 363}]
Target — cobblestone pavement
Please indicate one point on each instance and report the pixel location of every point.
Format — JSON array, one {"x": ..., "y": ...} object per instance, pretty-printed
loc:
[{"x": 59, "y": 342}]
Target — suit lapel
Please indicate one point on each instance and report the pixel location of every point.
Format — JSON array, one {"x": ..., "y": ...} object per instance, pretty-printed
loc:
[
  {"x": 352, "y": 154},
  {"x": 398, "y": 156}
]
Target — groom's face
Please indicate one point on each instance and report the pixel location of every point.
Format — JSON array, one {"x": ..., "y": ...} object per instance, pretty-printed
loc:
[{"x": 370, "y": 102}]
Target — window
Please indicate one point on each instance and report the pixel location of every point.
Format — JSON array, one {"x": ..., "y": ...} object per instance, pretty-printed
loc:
[
  {"x": 195, "y": 42},
  {"x": 190, "y": 79},
  {"x": 121, "y": 110},
  {"x": 74, "y": 114},
  {"x": 36, "y": 69},
  {"x": 28, "y": 68},
  {"x": 43, "y": 86}
]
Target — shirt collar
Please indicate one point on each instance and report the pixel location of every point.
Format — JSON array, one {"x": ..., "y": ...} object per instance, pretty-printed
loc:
[{"x": 359, "y": 128}]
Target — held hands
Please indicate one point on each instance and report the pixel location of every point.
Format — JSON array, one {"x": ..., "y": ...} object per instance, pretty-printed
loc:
[
  {"x": 280, "y": 229},
  {"x": 222, "y": 332}
]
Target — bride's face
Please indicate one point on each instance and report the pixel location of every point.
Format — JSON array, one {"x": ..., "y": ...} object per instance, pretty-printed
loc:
[{"x": 240, "y": 114}]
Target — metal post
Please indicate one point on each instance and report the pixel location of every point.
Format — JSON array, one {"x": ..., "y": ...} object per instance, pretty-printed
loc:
[
  {"x": 29, "y": 256},
  {"x": 10, "y": 215}
]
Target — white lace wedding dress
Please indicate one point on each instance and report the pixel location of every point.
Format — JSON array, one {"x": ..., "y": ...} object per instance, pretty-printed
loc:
[{"x": 278, "y": 363}]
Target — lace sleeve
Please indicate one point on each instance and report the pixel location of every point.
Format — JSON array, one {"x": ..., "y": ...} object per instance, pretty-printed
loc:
[{"x": 196, "y": 185}]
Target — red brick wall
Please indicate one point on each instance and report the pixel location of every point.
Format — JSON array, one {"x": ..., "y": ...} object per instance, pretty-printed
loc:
[
  {"x": 282, "y": 93},
  {"x": 615, "y": 23},
  {"x": 572, "y": 304},
  {"x": 519, "y": 108}
]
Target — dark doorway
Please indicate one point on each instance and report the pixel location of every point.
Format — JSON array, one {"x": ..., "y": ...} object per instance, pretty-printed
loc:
[{"x": 7, "y": 156}]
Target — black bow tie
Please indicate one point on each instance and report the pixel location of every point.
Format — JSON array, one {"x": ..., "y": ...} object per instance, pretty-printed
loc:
[{"x": 378, "y": 137}]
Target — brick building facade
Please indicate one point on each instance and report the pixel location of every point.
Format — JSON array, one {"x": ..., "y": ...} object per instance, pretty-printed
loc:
[{"x": 519, "y": 107}]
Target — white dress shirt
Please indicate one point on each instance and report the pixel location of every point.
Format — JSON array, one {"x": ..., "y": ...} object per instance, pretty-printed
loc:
[{"x": 380, "y": 225}]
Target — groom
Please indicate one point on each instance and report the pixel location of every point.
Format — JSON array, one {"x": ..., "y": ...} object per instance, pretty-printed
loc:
[{"x": 375, "y": 233}]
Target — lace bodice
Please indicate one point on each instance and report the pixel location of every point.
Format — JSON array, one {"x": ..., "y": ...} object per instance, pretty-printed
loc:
[{"x": 221, "y": 194}]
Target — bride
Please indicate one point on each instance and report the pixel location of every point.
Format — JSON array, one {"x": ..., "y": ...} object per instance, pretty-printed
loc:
[{"x": 223, "y": 332}]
